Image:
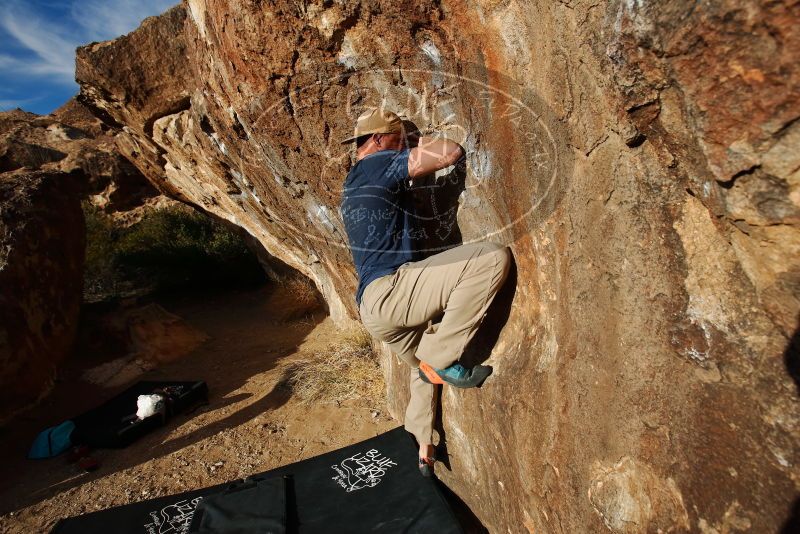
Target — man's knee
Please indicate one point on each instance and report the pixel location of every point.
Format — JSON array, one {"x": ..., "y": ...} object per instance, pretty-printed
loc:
[
  {"x": 409, "y": 358},
  {"x": 504, "y": 257},
  {"x": 501, "y": 255}
]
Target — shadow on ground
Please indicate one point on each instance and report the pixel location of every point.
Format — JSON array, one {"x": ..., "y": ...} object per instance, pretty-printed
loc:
[{"x": 246, "y": 340}]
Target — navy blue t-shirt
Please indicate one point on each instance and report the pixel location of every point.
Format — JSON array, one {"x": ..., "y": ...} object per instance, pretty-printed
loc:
[{"x": 378, "y": 214}]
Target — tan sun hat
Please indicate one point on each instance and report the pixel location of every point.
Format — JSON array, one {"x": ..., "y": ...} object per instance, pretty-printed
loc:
[{"x": 376, "y": 120}]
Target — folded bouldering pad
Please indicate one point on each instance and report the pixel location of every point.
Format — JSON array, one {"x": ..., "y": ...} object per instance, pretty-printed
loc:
[
  {"x": 371, "y": 486},
  {"x": 246, "y": 506},
  {"x": 114, "y": 423}
]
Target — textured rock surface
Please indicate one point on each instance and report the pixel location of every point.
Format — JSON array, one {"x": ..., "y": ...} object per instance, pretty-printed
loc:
[
  {"x": 142, "y": 337},
  {"x": 41, "y": 262},
  {"x": 47, "y": 165},
  {"x": 640, "y": 159},
  {"x": 69, "y": 139}
]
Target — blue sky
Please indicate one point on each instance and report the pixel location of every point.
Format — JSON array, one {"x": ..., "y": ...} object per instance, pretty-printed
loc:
[{"x": 38, "y": 40}]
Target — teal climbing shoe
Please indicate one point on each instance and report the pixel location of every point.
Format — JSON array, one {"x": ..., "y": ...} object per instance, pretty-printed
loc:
[
  {"x": 426, "y": 466},
  {"x": 456, "y": 375}
]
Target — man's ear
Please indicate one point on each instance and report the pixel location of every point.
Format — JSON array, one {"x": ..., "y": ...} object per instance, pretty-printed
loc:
[{"x": 377, "y": 138}]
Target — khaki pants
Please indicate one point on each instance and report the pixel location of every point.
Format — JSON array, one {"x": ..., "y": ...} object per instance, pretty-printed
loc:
[{"x": 398, "y": 308}]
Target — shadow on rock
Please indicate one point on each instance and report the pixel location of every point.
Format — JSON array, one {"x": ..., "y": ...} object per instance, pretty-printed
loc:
[
  {"x": 792, "y": 524},
  {"x": 478, "y": 351},
  {"x": 791, "y": 358},
  {"x": 468, "y": 520}
]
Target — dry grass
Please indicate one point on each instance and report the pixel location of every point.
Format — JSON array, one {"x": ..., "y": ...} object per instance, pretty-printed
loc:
[
  {"x": 302, "y": 290},
  {"x": 297, "y": 297},
  {"x": 348, "y": 370},
  {"x": 359, "y": 338}
]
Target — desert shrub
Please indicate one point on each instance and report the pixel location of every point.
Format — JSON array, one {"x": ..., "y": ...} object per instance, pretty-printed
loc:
[
  {"x": 101, "y": 277},
  {"x": 349, "y": 369},
  {"x": 168, "y": 249},
  {"x": 305, "y": 297},
  {"x": 359, "y": 338}
]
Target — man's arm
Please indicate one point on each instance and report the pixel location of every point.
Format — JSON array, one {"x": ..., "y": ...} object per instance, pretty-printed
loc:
[{"x": 432, "y": 154}]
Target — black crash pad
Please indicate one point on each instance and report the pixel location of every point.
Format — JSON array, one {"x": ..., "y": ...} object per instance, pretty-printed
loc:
[
  {"x": 371, "y": 486},
  {"x": 244, "y": 507},
  {"x": 114, "y": 424}
]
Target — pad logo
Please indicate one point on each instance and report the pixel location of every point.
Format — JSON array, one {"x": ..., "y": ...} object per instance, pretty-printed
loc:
[
  {"x": 362, "y": 470},
  {"x": 174, "y": 518}
]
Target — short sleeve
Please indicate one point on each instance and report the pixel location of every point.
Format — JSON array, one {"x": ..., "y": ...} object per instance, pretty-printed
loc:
[{"x": 397, "y": 170}]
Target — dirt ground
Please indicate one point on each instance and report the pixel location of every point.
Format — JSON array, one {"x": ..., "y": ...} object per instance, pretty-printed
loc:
[{"x": 250, "y": 424}]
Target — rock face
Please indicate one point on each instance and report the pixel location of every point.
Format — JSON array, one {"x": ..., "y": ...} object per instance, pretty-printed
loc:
[
  {"x": 73, "y": 139},
  {"x": 641, "y": 160},
  {"x": 48, "y": 164},
  {"x": 41, "y": 271},
  {"x": 140, "y": 337}
]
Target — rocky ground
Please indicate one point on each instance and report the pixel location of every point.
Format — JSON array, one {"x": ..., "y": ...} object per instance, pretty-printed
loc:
[{"x": 251, "y": 424}]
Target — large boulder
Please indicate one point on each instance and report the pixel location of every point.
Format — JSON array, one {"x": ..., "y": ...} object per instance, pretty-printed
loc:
[
  {"x": 42, "y": 240},
  {"x": 70, "y": 139},
  {"x": 641, "y": 160},
  {"x": 48, "y": 165}
]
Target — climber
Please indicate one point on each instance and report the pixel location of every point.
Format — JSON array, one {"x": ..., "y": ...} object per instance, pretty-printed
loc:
[{"x": 400, "y": 293}]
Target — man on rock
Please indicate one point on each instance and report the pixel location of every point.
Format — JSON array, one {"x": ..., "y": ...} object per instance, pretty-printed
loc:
[{"x": 399, "y": 292}]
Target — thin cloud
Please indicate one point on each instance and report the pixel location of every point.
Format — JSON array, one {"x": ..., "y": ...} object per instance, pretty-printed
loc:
[
  {"x": 101, "y": 20},
  {"x": 6, "y": 105},
  {"x": 22, "y": 68},
  {"x": 7, "y": 61},
  {"x": 53, "y": 54},
  {"x": 41, "y": 38}
]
